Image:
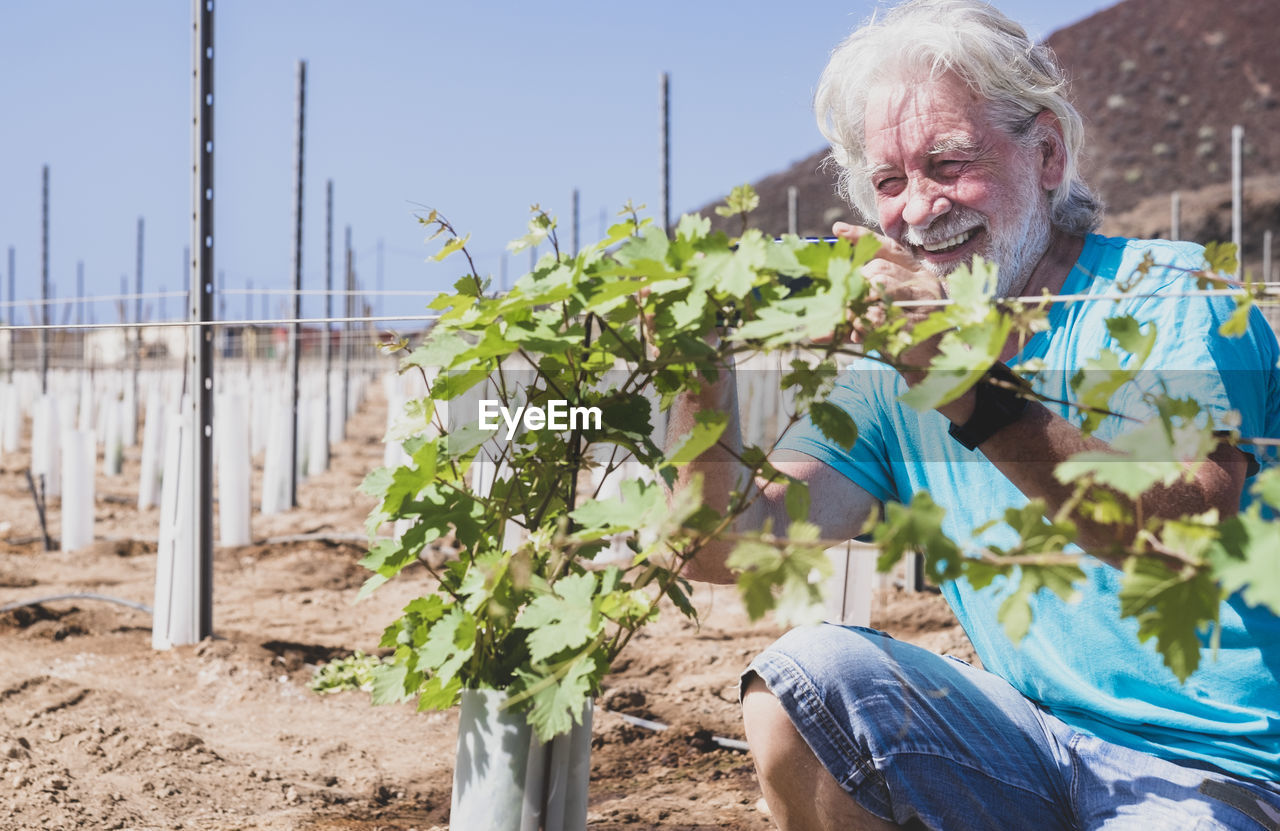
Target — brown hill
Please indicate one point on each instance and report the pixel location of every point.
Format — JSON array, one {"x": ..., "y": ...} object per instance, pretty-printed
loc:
[{"x": 1160, "y": 84}]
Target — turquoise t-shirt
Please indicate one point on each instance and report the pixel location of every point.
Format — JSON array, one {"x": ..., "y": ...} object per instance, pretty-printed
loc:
[{"x": 1081, "y": 660}]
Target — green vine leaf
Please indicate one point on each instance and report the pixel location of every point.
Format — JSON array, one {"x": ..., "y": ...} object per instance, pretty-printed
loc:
[
  {"x": 743, "y": 199},
  {"x": 556, "y": 707},
  {"x": 1171, "y": 607},
  {"x": 1245, "y": 557},
  {"x": 708, "y": 428},
  {"x": 1238, "y": 324},
  {"x": 1221, "y": 257},
  {"x": 449, "y": 645},
  {"x": 835, "y": 423},
  {"x": 786, "y": 578},
  {"x": 797, "y": 501},
  {"x": 907, "y": 529},
  {"x": 561, "y": 620},
  {"x": 389, "y": 684}
]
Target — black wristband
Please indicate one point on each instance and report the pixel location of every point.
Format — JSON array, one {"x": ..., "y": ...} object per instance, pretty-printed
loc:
[{"x": 996, "y": 405}]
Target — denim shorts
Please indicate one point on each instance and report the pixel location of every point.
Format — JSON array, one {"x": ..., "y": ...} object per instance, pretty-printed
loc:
[{"x": 931, "y": 742}]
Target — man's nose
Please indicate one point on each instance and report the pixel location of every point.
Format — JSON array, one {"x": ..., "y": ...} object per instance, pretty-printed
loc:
[{"x": 925, "y": 203}]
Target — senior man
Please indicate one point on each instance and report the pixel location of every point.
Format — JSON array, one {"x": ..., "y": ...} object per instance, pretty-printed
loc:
[{"x": 956, "y": 139}]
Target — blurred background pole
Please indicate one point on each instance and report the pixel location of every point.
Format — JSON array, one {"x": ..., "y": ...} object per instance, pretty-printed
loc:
[
  {"x": 1237, "y": 195},
  {"x": 295, "y": 328},
  {"x": 1266, "y": 257},
  {"x": 137, "y": 318},
  {"x": 8, "y": 309},
  {"x": 200, "y": 297},
  {"x": 223, "y": 333},
  {"x": 574, "y": 239},
  {"x": 325, "y": 345},
  {"x": 9, "y": 318},
  {"x": 80, "y": 301},
  {"x": 378, "y": 279},
  {"x": 44, "y": 281},
  {"x": 665, "y": 196}
]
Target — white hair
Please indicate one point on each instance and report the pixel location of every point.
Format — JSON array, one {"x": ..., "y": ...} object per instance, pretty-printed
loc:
[{"x": 925, "y": 39}]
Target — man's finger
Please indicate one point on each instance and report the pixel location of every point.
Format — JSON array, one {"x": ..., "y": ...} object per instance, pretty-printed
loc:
[{"x": 889, "y": 250}]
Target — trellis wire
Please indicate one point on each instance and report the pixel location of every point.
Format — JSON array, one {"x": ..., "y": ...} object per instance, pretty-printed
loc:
[{"x": 1267, "y": 289}]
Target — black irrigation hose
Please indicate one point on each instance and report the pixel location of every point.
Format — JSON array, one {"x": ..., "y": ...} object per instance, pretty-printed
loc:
[
  {"x": 83, "y": 596},
  {"x": 658, "y": 727},
  {"x": 315, "y": 537}
]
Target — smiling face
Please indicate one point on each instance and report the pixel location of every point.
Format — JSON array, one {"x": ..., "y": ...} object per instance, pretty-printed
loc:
[{"x": 951, "y": 184}]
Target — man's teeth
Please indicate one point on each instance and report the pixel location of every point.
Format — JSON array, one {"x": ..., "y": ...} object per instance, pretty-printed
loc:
[{"x": 957, "y": 240}]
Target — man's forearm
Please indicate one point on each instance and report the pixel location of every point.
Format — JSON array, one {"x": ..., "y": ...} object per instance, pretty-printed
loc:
[
  {"x": 719, "y": 466},
  {"x": 1028, "y": 451}
]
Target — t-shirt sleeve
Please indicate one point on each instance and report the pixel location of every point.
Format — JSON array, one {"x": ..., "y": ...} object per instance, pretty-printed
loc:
[{"x": 859, "y": 392}]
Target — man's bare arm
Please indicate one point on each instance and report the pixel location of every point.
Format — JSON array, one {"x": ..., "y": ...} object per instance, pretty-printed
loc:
[
  {"x": 1028, "y": 450},
  {"x": 837, "y": 506}
]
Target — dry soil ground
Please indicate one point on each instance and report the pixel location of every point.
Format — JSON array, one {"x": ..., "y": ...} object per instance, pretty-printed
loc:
[{"x": 98, "y": 730}]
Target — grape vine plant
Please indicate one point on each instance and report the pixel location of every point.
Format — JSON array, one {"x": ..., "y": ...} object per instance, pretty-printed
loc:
[{"x": 625, "y": 325}]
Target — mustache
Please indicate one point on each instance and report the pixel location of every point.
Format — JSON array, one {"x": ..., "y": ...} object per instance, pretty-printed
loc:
[{"x": 953, "y": 222}]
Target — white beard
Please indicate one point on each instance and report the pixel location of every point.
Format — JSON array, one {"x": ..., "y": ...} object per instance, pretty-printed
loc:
[{"x": 1015, "y": 251}]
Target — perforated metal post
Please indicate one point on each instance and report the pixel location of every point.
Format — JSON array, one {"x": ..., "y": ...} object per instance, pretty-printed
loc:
[
  {"x": 137, "y": 316},
  {"x": 295, "y": 328},
  {"x": 44, "y": 281},
  {"x": 346, "y": 330},
  {"x": 201, "y": 306},
  {"x": 326, "y": 346}
]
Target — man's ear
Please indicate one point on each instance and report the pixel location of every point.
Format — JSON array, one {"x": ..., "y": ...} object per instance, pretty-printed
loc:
[{"x": 1052, "y": 147}]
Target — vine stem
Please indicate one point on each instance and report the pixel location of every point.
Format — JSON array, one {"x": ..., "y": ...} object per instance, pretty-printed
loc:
[{"x": 558, "y": 671}]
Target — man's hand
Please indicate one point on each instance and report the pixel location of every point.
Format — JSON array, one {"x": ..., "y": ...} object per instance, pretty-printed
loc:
[
  {"x": 894, "y": 272},
  {"x": 895, "y": 275}
]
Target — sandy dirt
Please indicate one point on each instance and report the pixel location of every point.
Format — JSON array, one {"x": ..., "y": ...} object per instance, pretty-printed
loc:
[{"x": 98, "y": 730}]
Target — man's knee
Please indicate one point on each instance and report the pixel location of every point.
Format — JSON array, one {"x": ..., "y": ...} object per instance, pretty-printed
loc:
[
  {"x": 801, "y": 793},
  {"x": 782, "y": 758},
  {"x": 770, "y": 732},
  {"x": 841, "y": 663}
]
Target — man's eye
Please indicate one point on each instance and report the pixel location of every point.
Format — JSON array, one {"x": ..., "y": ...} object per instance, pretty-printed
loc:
[
  {"x": 951, "y": 167},
  {"x": 889, "y": 185}
]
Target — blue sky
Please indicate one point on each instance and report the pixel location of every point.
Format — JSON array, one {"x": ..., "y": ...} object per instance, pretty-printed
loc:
[{"x": 479, "y": 109}]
